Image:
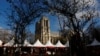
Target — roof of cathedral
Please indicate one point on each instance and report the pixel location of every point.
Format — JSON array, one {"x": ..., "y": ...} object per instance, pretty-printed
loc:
[{"x": 55, "y": 34}]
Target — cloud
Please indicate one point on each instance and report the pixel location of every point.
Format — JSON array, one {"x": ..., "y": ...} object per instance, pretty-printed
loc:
[
  {"x": 96, "y": 14},
  {"x": 89, "y": 2},
  {"x": 79, "y": 14}
]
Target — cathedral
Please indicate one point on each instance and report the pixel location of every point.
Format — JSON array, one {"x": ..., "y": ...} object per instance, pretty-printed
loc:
[{"x": 42, "y": 31}]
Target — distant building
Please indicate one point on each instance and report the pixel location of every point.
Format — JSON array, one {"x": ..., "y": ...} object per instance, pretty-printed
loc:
[
  {"x": 42, "y": 31},
  {"x": 5, "y": 35}
]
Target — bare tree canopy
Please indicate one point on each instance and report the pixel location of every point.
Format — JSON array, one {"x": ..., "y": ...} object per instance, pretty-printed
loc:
[
  {"x": 70, "y": 8},
  {"x": 22, "y": 14},
  {"x": 77, "y": 16}
]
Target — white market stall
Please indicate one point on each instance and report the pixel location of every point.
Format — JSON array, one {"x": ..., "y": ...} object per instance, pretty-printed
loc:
[
  {"x": 94, "y": 43},
  {"x": 26, "y": 43},
  {"x": 49, "y": 44},
  {"x": 10, "y": 43},
  {"x": 67, "y": 44},
  {"x": 1, "y": 43},
  {"x": 38, "y": 44},
  {"x": 59, "y": 44}
]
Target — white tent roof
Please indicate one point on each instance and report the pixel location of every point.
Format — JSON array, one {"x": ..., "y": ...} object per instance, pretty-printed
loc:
[
  {"x": 10, "y": 43},
  {"x": 94, "y": 43},
  {"x": 1, "y": 43},
  {"x": 38, "y": 44},
  {"x": 67, "y": 44},
  {"x": 26, "y": 43},
  {"x": 59, "y": 44},
  {"x": 49, "y": 44}
]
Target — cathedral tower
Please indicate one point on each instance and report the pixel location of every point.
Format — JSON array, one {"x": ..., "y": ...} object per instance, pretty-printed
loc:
[{"x": 43, "y": 30}]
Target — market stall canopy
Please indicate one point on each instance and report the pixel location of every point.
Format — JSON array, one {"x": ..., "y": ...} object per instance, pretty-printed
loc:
[
  {"x": 49, "y": 44},
  {"x": 94, "y": 43},
  {"x": 59, "y": 44},
  {"x": 1, "y": 43},
  {"x": 10, "y": 43},
  {"x": 67, "y": 44},
  {"x": 38, "y": 44},
  {"x": 26, "y": 43}
]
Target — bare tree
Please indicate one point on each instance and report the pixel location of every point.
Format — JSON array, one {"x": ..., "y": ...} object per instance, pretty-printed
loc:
[
  {"x": 22, "y": 14},
  {"x": 68, "y": 10}
]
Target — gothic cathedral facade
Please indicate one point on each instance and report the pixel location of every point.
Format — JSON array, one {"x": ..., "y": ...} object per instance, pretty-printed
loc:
[{"x": 42, "y": 31}]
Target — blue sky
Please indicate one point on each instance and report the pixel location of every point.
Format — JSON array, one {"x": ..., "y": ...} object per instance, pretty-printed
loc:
[
  {"x": 54, "y": 25},
  {"x": 3, "y": 7}
]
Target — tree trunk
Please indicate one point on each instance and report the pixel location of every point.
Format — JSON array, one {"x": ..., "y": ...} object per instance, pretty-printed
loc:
[{"x": 76, "y": 45}]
